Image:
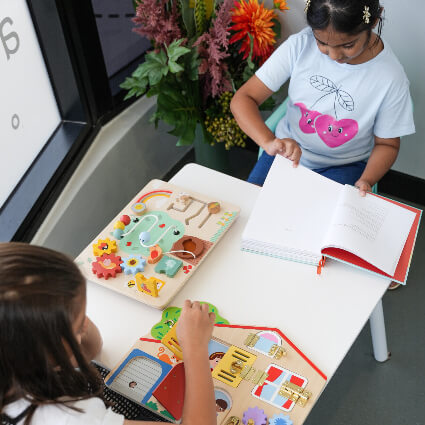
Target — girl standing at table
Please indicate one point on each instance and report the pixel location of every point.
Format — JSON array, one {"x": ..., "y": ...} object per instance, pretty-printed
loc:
[
  {"x": 348, "y": 97},
  {"x": 46, "y": 342}
]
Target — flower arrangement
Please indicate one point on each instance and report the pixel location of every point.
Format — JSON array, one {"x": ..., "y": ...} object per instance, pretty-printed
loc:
[{"x": 202, "y": 52}]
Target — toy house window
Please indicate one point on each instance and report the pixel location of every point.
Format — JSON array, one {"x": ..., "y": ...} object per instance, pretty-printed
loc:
[
  {"x": 265, "y": 342},
  {"x": 137, "y": 378}
]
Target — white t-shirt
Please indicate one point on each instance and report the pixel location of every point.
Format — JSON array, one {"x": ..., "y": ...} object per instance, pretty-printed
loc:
[
  {"x": 334, "y": 110},
  {"x": 95, "y": 413}
]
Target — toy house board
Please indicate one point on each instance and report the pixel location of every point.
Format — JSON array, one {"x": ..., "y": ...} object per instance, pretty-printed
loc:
[
  {"x": 260, "y": 377},
  {"x": 155, "y": 244}
]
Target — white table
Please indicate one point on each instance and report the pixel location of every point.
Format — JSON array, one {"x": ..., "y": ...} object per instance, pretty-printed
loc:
[{"x": 322, "y": 315}]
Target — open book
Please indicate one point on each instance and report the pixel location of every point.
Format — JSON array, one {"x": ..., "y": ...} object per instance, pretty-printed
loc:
[{"x": 303, "y": 216}]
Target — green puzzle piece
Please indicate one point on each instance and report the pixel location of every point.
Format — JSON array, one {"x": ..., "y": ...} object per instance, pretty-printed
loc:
[
  {"x": 169, "y": 266},
  {"x": 153, "y": 228},
  {"x": 171, "y": 314}
]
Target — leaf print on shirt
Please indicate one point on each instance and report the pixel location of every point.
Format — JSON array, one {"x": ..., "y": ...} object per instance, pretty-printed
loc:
[{"x": 327, "y": 86}]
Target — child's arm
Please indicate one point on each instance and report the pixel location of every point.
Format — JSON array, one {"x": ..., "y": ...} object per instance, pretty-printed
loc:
[
  {"x": 245, "y": 108},
  {"x": 194, "y": 331},
  {"x": 380, "y": 161}
]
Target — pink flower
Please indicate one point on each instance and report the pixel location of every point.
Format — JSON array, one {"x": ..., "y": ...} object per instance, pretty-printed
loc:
[{"x": 156, "y": 23}]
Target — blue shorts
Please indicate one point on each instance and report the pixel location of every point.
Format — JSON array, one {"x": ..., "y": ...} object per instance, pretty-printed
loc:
[{"x": 345, "y": 174}]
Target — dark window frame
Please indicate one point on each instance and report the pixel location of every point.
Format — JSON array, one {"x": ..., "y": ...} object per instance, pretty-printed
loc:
[{"x": 69, "y": 41}]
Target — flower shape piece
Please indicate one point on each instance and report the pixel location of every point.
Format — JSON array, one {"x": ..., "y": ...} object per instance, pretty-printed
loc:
[
  {"x": 108, "y": 265},
  {"x": 280, "y": 419},
  {"x": 133, "y": 264},
  {"x": 254, "y": 416},
  {"x": 104, "y": 246}
]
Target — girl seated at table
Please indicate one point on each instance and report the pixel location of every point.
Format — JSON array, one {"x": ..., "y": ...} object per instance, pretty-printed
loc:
[{"x": 46, "y": 342}]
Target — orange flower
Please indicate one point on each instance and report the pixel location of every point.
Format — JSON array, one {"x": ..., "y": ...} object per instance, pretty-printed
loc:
[
  {"x": 249, "y": 17},
  {"x": 280, "y": 4}
]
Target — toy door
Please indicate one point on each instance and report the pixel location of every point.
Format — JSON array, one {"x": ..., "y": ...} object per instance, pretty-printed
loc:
[{"x": 138, "y": 378}]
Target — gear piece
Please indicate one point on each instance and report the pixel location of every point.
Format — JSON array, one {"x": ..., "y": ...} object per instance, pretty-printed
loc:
[
  {"x": 104, "y": 246},
  {"x": 254, "y": 416},
  {"x": 108, "y": 265},
  {"x": 133, "y": 264},
  {"x": 280, "y": 419}
]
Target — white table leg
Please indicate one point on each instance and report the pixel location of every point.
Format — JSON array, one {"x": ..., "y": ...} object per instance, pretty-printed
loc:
[{"x": 379, "y": 338}]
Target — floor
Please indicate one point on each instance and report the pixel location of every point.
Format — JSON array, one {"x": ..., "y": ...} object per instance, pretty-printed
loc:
[{"x": 364, "y": 391}]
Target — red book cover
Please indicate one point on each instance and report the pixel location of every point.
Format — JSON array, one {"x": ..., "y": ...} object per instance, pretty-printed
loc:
[{"x": 402, "y": 269}]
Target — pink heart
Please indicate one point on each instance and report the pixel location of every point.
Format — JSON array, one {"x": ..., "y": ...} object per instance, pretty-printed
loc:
[
  {"x": 307, "y": 118},
  {"x": 335, "y": 133}
]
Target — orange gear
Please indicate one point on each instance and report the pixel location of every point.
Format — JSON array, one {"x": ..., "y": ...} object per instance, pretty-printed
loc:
[{"x": 108, "y": 265}]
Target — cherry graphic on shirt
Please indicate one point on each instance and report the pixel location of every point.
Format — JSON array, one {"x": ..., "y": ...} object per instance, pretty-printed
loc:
[
  {"x": 307, "y": 118},
  {"x": 332, "y": 132},
  {"x": 335, "y": 132}
]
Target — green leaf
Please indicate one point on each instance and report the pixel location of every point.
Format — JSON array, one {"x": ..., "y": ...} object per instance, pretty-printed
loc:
[
  {"x": 136, "y": 86},
  {"x": 188, "y": 18},
  {"x": 174, "y": 50},
  {"x": 174, "y": 67},
  {"x": 185, "y": 132},
  {"x": 155, "y": 67},
  {"x": 128, "y": 83},
  {"x": 247, "y": 73},
  {"x": 179, "y": 110},
  {"x": 191, "y": 65},
  {"x": 277, "y": 28}
]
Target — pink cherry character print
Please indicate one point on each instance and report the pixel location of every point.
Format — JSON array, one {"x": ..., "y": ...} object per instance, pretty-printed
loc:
[
  {"x": 335, "y": 133},
  {"x": 307, "y": 118}
]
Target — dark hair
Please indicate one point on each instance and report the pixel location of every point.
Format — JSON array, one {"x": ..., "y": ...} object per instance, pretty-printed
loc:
[
  {"x": 41, "y": 293},
  {"x": 345, "y": 16},
  {"x": 217, "y": 354},
  {"x": 222, "y": 403}
]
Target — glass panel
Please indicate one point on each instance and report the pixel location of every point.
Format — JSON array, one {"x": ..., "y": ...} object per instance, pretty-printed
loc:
[
  {"x": 28, "y": 110},
  {"x": 120, "y": 44}
]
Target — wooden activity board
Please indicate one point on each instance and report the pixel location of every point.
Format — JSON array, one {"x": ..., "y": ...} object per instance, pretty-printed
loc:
[
  {"x": 260, "y": 377},
  {"x": 156, "y": 243}
]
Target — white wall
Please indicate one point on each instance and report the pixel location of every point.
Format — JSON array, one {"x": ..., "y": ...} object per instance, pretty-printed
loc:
[{"x": 404, "y": 30}]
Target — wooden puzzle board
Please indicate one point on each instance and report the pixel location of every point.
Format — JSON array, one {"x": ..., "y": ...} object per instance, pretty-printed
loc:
[
  {"x": 185, "y": 225},
  {"x": 262, "y": 401}
]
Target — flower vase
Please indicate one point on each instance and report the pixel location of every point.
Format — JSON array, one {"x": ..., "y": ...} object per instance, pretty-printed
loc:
[{"x": 215, "y": 157}]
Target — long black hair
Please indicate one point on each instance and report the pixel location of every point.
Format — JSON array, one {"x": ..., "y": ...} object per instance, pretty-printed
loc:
[
  {"x": 344, "y": 16},
  {"x": 41, "y": 293}
]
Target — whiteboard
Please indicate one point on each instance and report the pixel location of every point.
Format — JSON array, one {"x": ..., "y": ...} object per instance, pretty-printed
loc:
[{"x": 28, "y": 110}]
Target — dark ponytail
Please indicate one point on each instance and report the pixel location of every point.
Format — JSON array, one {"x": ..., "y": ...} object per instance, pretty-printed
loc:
[
  {"x": 344, "y": 16},
  {"x": 41, "y": 294}
]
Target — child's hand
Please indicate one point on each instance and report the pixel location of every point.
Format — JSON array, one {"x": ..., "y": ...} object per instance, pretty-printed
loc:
[
  {"x": 195, "y": 325},
  {"x": 363, "y": 187},
  {"x": 288, "y": 148}
]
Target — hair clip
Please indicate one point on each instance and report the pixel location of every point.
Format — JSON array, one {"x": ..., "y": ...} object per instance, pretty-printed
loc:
[
  {"x": 307, "y": 5},
  {"x": 366, "y": 14}
]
